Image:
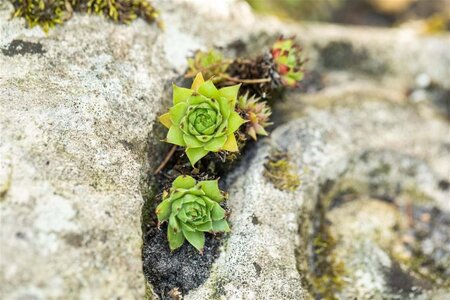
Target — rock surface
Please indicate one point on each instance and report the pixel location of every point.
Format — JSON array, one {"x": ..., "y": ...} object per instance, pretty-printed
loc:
[
  {"x": 259, "y": 258},
  {"x": 77, "y": 109}
]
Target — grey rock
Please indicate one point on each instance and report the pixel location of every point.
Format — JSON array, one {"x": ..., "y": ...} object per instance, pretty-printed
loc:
[
  {"x": 323, "y": 145},
  {"x": 77, "y": 114},
  {"x": 77, "y": 109}
]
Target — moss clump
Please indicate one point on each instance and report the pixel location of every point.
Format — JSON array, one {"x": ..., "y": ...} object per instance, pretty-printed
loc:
[
  {"x": 48, "y": 13},
  {"x": 280, "y": 172},
  {"x": 149, "y": 295},
  {"x": 328, "y": 271}
]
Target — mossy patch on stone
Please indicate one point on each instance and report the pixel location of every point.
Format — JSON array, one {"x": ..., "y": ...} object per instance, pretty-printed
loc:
[
  {"x": 281, "y": 172},
  {"x": 48, "y": 13},
  {"x": 328, "y": 271}
]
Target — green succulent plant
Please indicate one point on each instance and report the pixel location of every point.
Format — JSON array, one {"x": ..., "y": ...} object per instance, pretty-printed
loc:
[
  {"x": 210, "y": 63},
  {"x": 287, "y": 57},
  {"x": 203, "y": 118},
  {"x": 191, "y": 209},
  {"x": 257, "y": 113}
]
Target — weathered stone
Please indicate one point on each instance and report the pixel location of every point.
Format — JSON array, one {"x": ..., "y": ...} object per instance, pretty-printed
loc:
[
  {"x": 77, "y": 115},
  {"x": 77, "y": 108}
]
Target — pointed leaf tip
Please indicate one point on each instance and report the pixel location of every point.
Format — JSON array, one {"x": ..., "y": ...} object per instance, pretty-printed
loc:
[
  {"x": 175, "y": 136},
  {"x": 211, "y": 189},
  {"x": 180, "y": 94},
  {"x": 175, "y": 238},
  {"x": 198, "y": 81},
  {"x": 196, "y": 239},
  {"x": 163, "y": 210},
  {"x": 230, "y": 93},
  {"x": 231, "y": 144},
  {"x": 165, "y": 120},
  {"x": 195, "y": 154}
]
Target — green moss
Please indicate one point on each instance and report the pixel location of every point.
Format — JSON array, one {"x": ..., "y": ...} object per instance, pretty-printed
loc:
[
  {"x": 149, "y": 295},
  {"x": 326, "y": 278},
  {"x": 281, "y": 172},
  {"x": 419, "y": 196},
  {"x": 48, "y": 13},
  {"x": 424, "y": 268}
]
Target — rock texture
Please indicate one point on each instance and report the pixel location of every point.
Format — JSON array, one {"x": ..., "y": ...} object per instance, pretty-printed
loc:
[
  {"x": 360, "y": 109},
  {"x": 259, "y": 257},
  {"x": 77, "y": 114},
  {"x": 77, "y": 108}
]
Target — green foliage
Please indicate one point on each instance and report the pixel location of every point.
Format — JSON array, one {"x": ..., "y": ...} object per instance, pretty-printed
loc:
[
  {"x": 203, "y": 118},
  {"x": 211, "y": 64},
  {"x": 257, "y": 114},
  {"x": 191, "y": 209},
  {"x": 280, "y": 171},
  {"x": 48, "y": 13},
  {"x": 287, "y": 57},
  {"x": 45, "y": 13}
]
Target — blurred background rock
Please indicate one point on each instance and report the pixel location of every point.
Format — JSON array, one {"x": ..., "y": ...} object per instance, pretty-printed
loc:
[{"x": 428, "y": 16}]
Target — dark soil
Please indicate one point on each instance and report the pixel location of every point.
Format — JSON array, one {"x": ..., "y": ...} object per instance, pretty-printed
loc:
[{"x": 185, "y": 268}]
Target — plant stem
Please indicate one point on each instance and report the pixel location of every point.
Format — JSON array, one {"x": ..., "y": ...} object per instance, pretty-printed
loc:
[
  {"x": 259, "y": 80},
  {"x": 166, "y": 159}
]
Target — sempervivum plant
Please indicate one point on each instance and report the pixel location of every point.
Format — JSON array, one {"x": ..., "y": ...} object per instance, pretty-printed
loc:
[
  {"x": 211, "y": 64},
  {"x": 288, "y": 61},
  {"x": 203, "y": 118},
  {"x": 257, "y": 113},
  {"x": 191, "y": 209}
]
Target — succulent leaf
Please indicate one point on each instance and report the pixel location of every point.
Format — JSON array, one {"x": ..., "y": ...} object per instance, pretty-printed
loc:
[
  {"x": 211, "y": 189},
  {"x": 180, "y": 94},
  {"x": 165, "y": 120},
  {"x": 235, "y": 121},
  {"x": 195, "y": 154},
  {"x": 177, "y": 112},
  {"x": 176, "y": 239},
  {"x": 209, "y": 90},
  {"x": 220, "y": 226},
  {"x": 163, "y": 211},
  {"x": 196, "y": 239},
  {"x": 198, "y": 81},
  {"x": 230, "y": 93},
  {"x": 175, "y": 136},
  {"x": 217, "y": 213},
  {"x": 231, "y": 144},
  {"x": 184, "y": 182},
  {"x": 203, "y": 119}
]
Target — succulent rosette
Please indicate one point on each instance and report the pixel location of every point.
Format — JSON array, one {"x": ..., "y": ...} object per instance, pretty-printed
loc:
[
  {"x": 191, "y": 209},
  {"x": 287, "y": 57},
  {"x": 203, "y": 118},
  {"x": 211, "y": 64},
  {"x": 257, "y": 113}
]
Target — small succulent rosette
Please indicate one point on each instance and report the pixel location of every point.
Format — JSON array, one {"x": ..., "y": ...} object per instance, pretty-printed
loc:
[
  {"x": 211, "y": 64},
  {"x": 203, "y": 118},
  {"x": 287, "y": 56},
  {"x": 257, "y": 113},
  {"x": 191, "y": 209}
]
